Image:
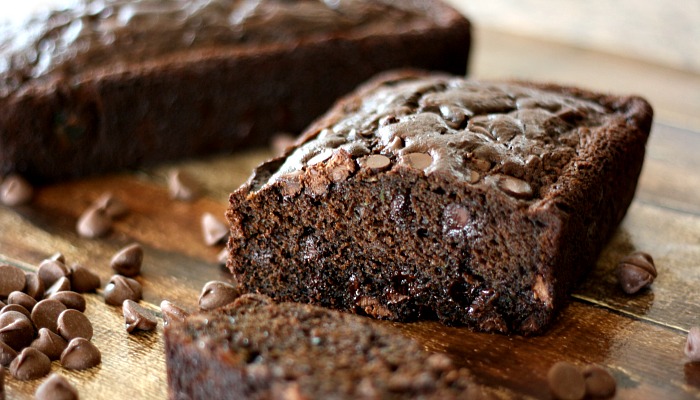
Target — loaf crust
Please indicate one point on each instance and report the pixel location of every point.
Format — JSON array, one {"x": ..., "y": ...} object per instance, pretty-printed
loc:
[
  {"x": 432, "y": 196},
  {"x": 256, "y": 349},
  {"x": 124, "y": 83}
]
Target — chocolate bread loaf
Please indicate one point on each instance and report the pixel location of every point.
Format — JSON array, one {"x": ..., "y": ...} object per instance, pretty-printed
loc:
[
  {"x": 428, "y": 195},
  {"x": 256, "y": 349},
  {"x": 101, "y": 85}
]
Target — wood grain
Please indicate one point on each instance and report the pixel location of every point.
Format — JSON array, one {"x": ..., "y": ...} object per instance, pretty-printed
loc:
[{"x": 638, "y": 338}]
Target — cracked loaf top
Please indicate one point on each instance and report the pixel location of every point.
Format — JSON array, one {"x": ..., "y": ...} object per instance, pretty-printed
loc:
[
  {"x": 81, "y": 34},
  {"x": 517, "y": 137}
]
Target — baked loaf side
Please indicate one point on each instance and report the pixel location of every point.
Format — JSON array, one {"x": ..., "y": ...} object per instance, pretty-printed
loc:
[
  {"x": 256, "y": 349},
  {"x": 427, "y": 195},
  {"x": 105, "y": 85}
]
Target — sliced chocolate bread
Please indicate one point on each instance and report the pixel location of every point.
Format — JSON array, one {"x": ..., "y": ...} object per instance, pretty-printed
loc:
[
  {"x": 428, "y": 195},
  {"x": 256, "y": 349}
]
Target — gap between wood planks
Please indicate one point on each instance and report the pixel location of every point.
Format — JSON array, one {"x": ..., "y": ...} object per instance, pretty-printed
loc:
[{"x": 603, "y": 305}]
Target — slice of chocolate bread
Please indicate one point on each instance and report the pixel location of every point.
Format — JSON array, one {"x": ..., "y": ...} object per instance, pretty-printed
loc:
[
  {"x": 95, "y": 86},
  {"x": 420, "y": 196},
  {"x": 256, "y": 349}
]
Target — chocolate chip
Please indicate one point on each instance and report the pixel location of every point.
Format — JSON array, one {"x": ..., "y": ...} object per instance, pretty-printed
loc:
[
  {"x": 50, "y": 344},
  {"x": 599, "y": 382},
  {"x": 30, "y": 364},
  {"x": 417, "y": 160},
  {"x": 56, "y": 387},
  {"x": 112, "y": 206},
  {"x": 83, "y": 280},
  {"x": 515, "y": 187},
  {"x": 51, "y": 270},
  {"x": 137, "y": 317},
  {"x": 11, "y": 279},
  {"x": 61, "y": 285},
  {"x": 15, "y": 191},
  {"x": 566, "y": 381},
  {"x": 355, "y": 149},
  {"x": 396, "y": 144},
  {"x": 45, "y": 314},
  {"x": 291, "y": 183},
  {"x": 320, "y": 157},
  {"x": 480, "y": 164},
  {"x": 213, "y": 230},
  {"x": 71, "y": 300},
  {"x": 635, "y": 272},
  {"x": 94, "y": 223},
  {"x": 692, "y": 344},
  {"x": 376, "y": 162},
  {"x": 80, "y": 354},
  {"x": 222, "y": 256},
  {"x": 120, "y": 288},
  {"x": 7, "y": 354},
  {"x": 217, "y": 294},
  {"x": 171, "y": 312},
  {"x": 504, "y": 128},
  {"x": 34, "y": 286},
  {"x": 21, "y": 299},
  {"x": 128, "y": 260},
  {"x": 182, "y": 186},
  {"x": 454, "y": 116},
  {"x": 74, "y": 324},
  {"x": 17, "y": 308},
  {"x": 58, "y": 256},
  {"x": 456, "y": 218},
  {"x": 16, "y": 330}
]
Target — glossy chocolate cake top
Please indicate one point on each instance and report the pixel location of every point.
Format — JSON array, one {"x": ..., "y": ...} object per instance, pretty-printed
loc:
[
  {"x": 515, "y": 136},
  {"x": 81, "y": 34}
]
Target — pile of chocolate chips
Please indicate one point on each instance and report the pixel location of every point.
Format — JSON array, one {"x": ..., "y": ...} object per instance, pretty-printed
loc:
[{"x": 42, "y": 318}]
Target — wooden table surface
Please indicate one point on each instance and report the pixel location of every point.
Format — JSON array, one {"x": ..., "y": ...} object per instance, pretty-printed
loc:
[{"x": 638, "y": 338}]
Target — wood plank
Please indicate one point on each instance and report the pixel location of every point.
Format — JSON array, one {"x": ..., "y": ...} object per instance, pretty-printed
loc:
[
  {"x": 671, "y": 174},
  {"x": 675, "y": 95},
  {"x": 646, "y": 359},
  {"x": 673, "y": 239}
]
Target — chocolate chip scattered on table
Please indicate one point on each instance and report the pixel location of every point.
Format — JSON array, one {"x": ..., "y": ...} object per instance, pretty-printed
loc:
[
  {"x": 182, "y": 186},
  {"x": 30, "y": 364},
  {"x": 137, "y": 317},
  {"x": 568, "y": 381},
  {"x": 11, "y": 279},
  {"x": 120, "y": 288},
  {"x": 213, "y": 230},
  {"x": 94, "y": 223},
  {"x": 636, "y": 272},
  {"x": 692, "y": 344},
  {"x": 172, "y": 312},
  {"x": 15, "y": 191},
  {"x": 56, "y": 387},
  {"x": 80, "y": 354},
  {"x": 217, "y": 294},
  {"x": 128, "y": 260}
]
